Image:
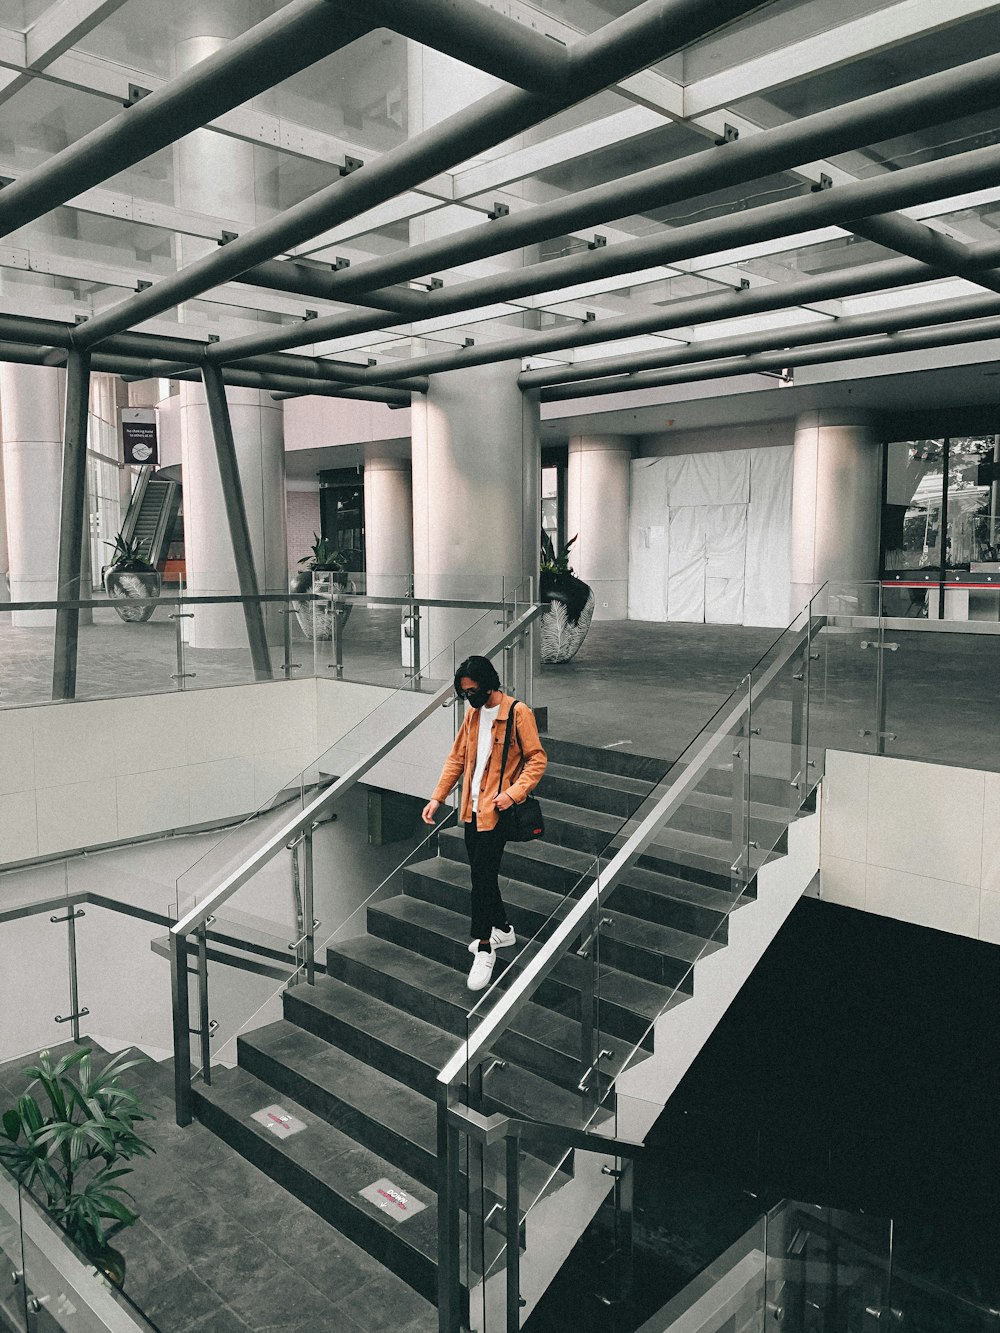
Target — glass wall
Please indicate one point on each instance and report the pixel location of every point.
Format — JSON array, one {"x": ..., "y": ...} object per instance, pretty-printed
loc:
[{"x": 941, "y": 505}]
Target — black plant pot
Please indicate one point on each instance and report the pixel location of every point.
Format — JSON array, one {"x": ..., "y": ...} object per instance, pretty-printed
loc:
[
  {"x": 565, "y": 623},
  {"x": 123, "y": 583},
  {"x": 316, "y": 618}
]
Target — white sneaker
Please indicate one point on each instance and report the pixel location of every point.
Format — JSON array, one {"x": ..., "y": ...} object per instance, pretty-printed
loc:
[
  {"x": 500, "y": 939},
  {"x": 482, "y": 969}
]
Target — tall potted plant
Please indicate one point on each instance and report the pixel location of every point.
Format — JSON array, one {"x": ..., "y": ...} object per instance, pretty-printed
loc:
[
  {"x": 68, "y": 1152},
  {"x": 129, "y": 576},
  {"x": 316, "y": 618},
  {"x": 571, "y": 603}
]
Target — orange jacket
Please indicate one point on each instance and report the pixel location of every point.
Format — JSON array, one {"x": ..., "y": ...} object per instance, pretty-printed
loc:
[{"x": 525, "y": 763}]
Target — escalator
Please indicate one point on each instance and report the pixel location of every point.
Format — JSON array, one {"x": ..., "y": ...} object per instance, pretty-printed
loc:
[{"x": 152, "y": 516}]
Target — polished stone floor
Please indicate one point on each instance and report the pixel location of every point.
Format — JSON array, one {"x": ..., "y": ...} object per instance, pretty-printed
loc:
[
  {"x": 645, "y": 687},
  {"x": 221, "y": 1248}
]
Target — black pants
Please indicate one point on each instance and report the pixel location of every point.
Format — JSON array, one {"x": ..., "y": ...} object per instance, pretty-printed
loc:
[{"x": 485, "y": 850}]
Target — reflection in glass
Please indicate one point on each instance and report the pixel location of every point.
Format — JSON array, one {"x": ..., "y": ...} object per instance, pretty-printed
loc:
[{"x": 914, "y": 501}]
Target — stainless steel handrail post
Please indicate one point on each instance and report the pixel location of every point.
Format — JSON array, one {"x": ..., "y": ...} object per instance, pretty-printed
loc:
[
  {"x": 181, "y": 1005},
  {"x": 204, "y": 1029},
  {"x": 288, "y": 666},
  {"x": 309, "y": 923},
  {"x": 181, "y": 675},
  {"x": 416, "y": 630},
  {"x": 476, "y": 1176},
  {"x": 739, "y": 813},
  {"x": 449, "y": 1216},
  {"x": 75, "y": 1012},
  {"x": 513, "y": 1231},
  {"x": 799, "y": 775},
  {"x": 337, "y": 630}
]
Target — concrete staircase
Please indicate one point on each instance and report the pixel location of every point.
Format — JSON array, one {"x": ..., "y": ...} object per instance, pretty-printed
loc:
[{"x": 355, "y": 1057}]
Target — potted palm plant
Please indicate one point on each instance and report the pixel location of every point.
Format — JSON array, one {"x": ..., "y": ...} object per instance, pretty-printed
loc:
[
  {"x": 129, "y": 576},
  {"x": 316, "y": 618},
  {"x": 69, "y": 1151},
  {"x": 571, "y": 603}
]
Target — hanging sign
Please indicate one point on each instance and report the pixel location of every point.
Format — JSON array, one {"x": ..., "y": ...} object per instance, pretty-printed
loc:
[{"x": 139, "y": 443}]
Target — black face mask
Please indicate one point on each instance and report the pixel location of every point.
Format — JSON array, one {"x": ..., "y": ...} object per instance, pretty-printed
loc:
[{"x": 477, "y": 697}]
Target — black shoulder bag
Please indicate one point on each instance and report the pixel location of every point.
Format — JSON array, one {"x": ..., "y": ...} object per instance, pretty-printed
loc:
[{"x": 524, "y": 822}]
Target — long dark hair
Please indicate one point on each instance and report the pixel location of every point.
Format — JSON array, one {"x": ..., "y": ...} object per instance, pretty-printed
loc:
[{"x": 479, "y": 669}]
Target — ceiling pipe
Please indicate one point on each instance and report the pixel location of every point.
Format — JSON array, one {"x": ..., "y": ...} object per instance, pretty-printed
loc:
[
  {"x": 907, "y": 237},
  {"x": 924, "y": 102},
  {"x": 771, "y": 362},
  {"x": 711, "y": 349},
  {"x": 838, "y": 206},
  {"x": 294, "y": 38},
  {"x": 475, "y": 35},
  {"x": 297, "y": 277},
  {"x": 652, "y": 31}
]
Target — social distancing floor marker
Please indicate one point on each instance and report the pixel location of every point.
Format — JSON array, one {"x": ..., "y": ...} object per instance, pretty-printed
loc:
[
  {"x": 388, "y": 1198},
  {"x": 281, "y": 1124}
]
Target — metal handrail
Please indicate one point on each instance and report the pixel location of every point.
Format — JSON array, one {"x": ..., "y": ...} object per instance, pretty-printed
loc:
[
  {"x": 95, "y": 604},
  {"x": 475, "y": 1048},
  {"x": 321, "y": 803},
  {"x": 492, "y": 1128},
  {"x": 904, "y": 623}
]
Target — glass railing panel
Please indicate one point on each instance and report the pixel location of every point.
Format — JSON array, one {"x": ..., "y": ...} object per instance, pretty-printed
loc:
[
  {"x": 826, "y": 1268},
  {"x": 63, "y": 1289},
  {"x": 13, "y": 1297},
  {"x": 938, "y": 694},
  {"x": 924, "y": 1307},
  {"x": 843, "y": 675},
  {"x": 37, "y": 987}
]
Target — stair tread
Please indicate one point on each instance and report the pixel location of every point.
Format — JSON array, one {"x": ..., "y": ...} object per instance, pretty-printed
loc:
[
  {"x": 330, "y": 1156},
  {"x": 447, "y": 984},
  {"x": 617, "y": 781},
  {"x": 571, "y": 858},
  {"x": 369, "y": 1091},
  {"x": 630, "y": 929},
  {"x": 646, "y": 998}
]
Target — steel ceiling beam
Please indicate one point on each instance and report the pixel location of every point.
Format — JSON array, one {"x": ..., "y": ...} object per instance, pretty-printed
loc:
[
  {"x": 918, "y": 241},
  {"x": 770, "y": 362},
  {"x": 652, "y": 31},
  {"x": 924, "y": 102},
  {"x": 713, "y": 349},
  {"x": 475, "y": 35},
  {"x": 294, "y": 38}
]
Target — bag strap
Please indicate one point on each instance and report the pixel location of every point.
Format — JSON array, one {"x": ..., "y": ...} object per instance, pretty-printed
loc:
[{"x": 506, "y": 743}]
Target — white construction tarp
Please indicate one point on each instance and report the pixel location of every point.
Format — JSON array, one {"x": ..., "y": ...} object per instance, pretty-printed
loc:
[
  {"x": 686, "y": 583},
  {"x": 649, "y": 552},
  {"x": 769, "y": 538},
  {"x": 709, "y": 479},
  {"x": 725, "y": 546}
]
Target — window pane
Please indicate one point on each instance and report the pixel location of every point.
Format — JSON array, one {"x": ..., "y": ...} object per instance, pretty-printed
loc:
[
  {"x": 972, "y": 536},
  {"x": 911, "y": 523}
]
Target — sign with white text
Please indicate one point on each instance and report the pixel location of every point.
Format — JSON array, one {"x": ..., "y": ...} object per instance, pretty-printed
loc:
[{"x": 139, "y": 443}]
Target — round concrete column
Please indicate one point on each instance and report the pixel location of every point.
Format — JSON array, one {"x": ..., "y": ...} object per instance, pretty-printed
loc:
[
  {"x": 31, "y": 401},
  {"x": 836, "y": 494},
  {"x": 388, "y": 526},
  {"x": 216, "y": 175},
  {"x": 208, "y": 551},
  {"x": 597, "y": 497},
  {"x": 476, "y": 490}
]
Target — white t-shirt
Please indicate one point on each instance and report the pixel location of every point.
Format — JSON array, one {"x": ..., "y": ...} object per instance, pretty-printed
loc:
[{"x": 487, "y": 716}]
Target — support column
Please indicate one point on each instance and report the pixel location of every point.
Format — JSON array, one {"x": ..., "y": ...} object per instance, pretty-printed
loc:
[
  {"x": 597, "y": 501},
  {"x": 476, "y": 491},
  {"x": 216, "y": 175},
  {"x": 31, "y": 401},
  {"x": 836, "y": 499},
  {"x": 388, "y": 526},
  {"x": 71, "y": 524}
]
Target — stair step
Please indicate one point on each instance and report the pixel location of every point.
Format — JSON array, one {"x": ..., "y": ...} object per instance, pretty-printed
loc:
[
  {"x": 699, "y": 909},
  {"x": 326, "y": 1170},
  {"x": 619, "y": 762},
  {"x": 589, "y": 789},
  {"x": 384, "y": 1116},
  {"x": 643, "y": 948},
  {"x": 538, "y": 1039},
  {"x": 411, "y": 1050},
  {"x": 628, "y": 1003}
]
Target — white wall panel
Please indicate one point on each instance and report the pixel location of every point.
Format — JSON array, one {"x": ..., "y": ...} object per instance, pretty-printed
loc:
[
  {"x": 686, "y": 583},
  {"x": 725, "y": 553},
  {"x": 710, "y": 478}
]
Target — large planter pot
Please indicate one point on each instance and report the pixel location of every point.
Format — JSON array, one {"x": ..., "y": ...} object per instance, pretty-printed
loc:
[
  {"x": 316, "y": 618},
  {"x": 125, "y": 584},
  {"x": 564, "y": 625}
]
